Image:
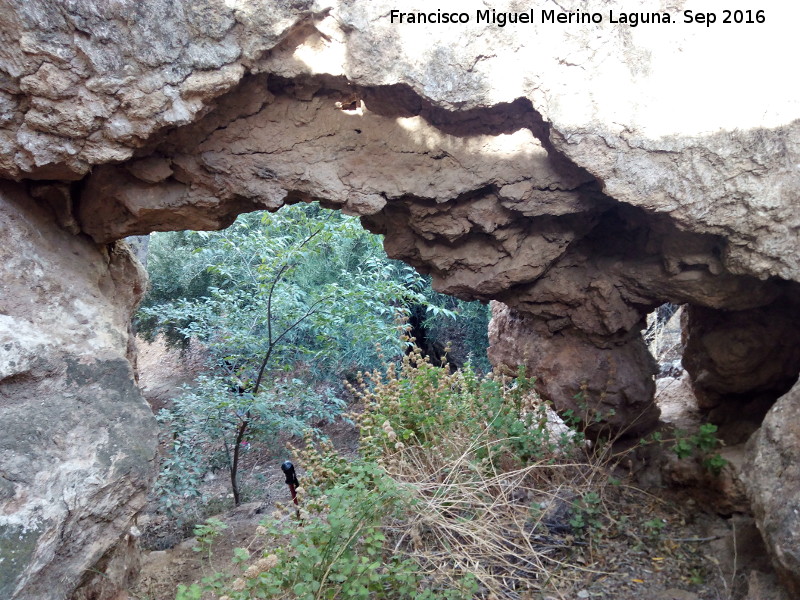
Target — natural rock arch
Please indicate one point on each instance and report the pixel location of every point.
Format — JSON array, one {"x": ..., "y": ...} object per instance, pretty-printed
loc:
[{"x": 130, "y": 118}]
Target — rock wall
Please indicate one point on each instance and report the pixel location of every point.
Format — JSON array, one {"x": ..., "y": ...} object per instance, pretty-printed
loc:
[
  {"x": 578, "y": 175},
  {"x": 78, "y": 441}
]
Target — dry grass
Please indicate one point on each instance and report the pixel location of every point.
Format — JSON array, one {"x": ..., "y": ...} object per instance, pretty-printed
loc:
[{"x": 508, "y": 527}]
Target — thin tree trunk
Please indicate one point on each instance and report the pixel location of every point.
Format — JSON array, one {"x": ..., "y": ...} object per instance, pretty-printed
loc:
[{"x": 235, "y": 464}]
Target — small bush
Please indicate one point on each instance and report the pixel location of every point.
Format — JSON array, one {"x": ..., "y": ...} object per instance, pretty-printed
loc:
[{"x": 429, "y": 406}]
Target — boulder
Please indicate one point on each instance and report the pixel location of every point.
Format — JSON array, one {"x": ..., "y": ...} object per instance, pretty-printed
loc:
[
  {"x": 602, "y": 387},
  {"x": 772, "y": 478}
]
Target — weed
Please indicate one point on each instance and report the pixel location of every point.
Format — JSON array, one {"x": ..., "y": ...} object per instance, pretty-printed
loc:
[
  {"x": 587, "y": 514},
  {"x": 654, "y": 527},
  {"x": 701, "y": 443}
]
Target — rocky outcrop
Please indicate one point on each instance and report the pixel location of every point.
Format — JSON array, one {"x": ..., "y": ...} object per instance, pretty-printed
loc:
[
  {"x": 78, "y": 442},
  {"x": 772, "y": 476},
  {"x": 740, "y": 361},
  {"x": 97, "y": 83},
  {"x": 494, "y": 214},
  {"x": 602, "y": 386},
  {"x": 90, "y": 82},
  {"x": 569, "y": 172}
]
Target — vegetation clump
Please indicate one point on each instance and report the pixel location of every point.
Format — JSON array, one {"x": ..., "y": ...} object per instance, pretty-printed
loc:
[{"x": 465, "y": 487}]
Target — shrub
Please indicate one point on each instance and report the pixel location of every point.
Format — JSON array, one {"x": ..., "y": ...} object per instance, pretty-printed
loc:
[
  {"x": 430, "y": 406},
  {"x": 439, "y": 505}
]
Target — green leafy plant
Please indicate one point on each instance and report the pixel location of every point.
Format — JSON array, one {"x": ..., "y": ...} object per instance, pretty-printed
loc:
[
  {"x": 715, "y": 463},
  {"x": 316, "y": 278},
  {"x": 654, "y": 527},
  {"x": 207, "y": 425},
  {"x": 587, "y": 514},
  {"x": 422, "y": 403},
  {"x": 702, "y": 443},
  {"x": 191, "y": 592},
  {"x": 206, "y": 533}
]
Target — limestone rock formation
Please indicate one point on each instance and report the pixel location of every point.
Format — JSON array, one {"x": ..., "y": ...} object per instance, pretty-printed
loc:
[
  {"x": 581, "y": 175},
  {"x": 742, "y": 358},
  {"x": 772, "y": 475},
  {"x": 604, "y": 386},
  {"x": 78, "y": 445}
]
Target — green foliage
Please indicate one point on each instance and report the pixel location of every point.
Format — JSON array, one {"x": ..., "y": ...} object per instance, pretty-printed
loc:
[
  {"x": 204, "y": 423},
  {"x": 714, "y": 463},
  {"x": 340, "y": 549},
  {"x": 461, "y": 326},
  {"x": 206, "y": 533},
  {"x": 683, "y": 448},
  {"x": 587, "y": 513},
  {"x": 423, "y": 402},
  {"x": 704, "y": 441},
  {"x": 339, "y": 552},
  {"x": 351, "y": 536},
  {"x": 654, "y": 527},
  {"x": 192, "y": 592},
  {"x": 316, "y": 275},
  {"x": 701, "y": 443},
  {"x": 282, "y": 292}
]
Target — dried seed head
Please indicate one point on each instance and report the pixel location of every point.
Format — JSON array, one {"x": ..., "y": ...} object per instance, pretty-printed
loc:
[
  {"x": 251, "y": 572},
  {"x": 238, "y": 585},
  {"x": 266, "y": 563}
]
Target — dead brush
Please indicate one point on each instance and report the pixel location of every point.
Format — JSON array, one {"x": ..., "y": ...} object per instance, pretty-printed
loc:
[
  {"x": 500, "y": 499},
  {"x": 508, "y": 527}
]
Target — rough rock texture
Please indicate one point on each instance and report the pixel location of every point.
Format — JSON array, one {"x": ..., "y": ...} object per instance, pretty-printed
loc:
[
  {"x": 743, "y": 358},
  {"x": 86, "y": 83},
  {"x": 163, "y": 371},
  {"x": 78, "y": 440},
  {"x": 675, "y": 398},
  {"x": 90, "y": 83},
  {"x": 581, "y": 175},
  {"x": 490, "y": 214},
  {"x": 115, "y": 573},
  {"x": 602, "y": 385},
  {"x": 772, "y": 476}
]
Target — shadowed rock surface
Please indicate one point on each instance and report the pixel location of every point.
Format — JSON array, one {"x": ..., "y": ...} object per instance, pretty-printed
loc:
[{"x": 772, "y": 473}]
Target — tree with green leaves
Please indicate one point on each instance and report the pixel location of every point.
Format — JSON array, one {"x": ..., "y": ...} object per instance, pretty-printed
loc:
[{"x": 280, "y": 301}]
